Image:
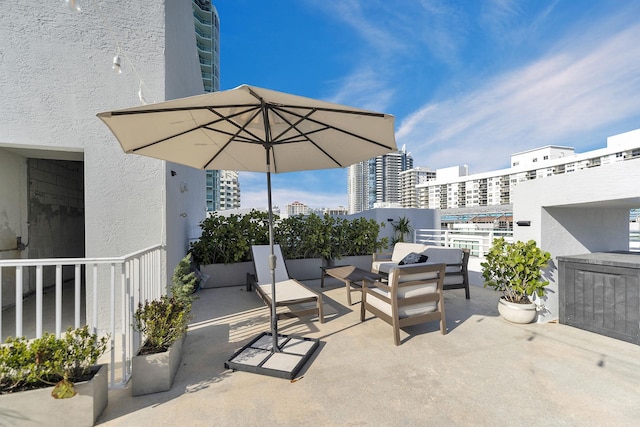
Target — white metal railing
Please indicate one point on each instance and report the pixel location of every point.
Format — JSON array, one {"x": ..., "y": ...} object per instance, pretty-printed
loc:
[
  {"x": 120, "y": 282},
  {"x": 477, "y": 241}
]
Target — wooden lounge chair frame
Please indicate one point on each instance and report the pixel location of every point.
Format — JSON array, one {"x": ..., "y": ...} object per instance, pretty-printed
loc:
[
  {"x": 414, "y": 276},
  {"x": 290, "y": 293}
]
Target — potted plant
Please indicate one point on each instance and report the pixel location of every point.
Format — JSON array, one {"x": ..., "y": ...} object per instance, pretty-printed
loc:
[
  {"x": 401, "y": 230},
  {"x": 515, "y": 269},
  {"x": 50, "y": 380},
  {"x": 163, "y": 325}
]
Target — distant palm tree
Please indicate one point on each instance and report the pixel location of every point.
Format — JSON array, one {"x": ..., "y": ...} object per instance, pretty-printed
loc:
[{"x": 401, "y": 229}]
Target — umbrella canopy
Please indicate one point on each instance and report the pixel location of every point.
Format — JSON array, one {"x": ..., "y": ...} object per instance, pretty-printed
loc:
[
  {"x": 253, "y": 129},
  {"x": 231, "y": 129}
]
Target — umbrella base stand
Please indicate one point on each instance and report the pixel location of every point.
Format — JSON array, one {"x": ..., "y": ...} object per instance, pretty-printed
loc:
[{"x": 257, "y": 356}]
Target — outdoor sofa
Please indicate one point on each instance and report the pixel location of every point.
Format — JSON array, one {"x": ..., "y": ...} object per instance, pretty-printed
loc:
[{"x": 456, "y": 259}]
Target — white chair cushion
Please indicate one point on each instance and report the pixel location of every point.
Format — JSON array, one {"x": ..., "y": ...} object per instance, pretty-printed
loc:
[
  {"x": 260, "y": 255},
  {"x": 402, "y": 249}
]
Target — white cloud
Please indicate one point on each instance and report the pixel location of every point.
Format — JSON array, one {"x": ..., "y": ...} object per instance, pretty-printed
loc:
[{"x": 567, "y": 94}]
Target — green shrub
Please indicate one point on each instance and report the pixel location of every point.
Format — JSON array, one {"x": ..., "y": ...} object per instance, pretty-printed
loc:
[
  {"x": 228, "y": 239},
  {"x": 161, "y": 322},
  {"x": 184, "y": 281},
  {"x": 41, "y": 362},
  {"x": 515, "y": 269}
]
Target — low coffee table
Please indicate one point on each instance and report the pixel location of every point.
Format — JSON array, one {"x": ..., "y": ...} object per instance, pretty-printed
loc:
[{"x": 350, "y": 275}]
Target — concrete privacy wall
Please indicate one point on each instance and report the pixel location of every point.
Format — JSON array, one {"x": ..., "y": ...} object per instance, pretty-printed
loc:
[
  {"x": 56, "y": 75},
  {"x": 576, "y": 213},
  {"x": 418, "y": 218}
]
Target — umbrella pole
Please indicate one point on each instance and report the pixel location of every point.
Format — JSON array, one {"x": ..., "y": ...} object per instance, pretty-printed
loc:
[{"x": 272, "y": 263}]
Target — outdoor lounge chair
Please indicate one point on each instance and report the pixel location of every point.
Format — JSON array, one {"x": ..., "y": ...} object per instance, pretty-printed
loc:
[
  {"x": 413, "y": 295},
  {"x": 289, "y": 292}
]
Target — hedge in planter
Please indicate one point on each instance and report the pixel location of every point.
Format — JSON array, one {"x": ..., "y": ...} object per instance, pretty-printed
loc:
[{"x": 228, "y": 239}]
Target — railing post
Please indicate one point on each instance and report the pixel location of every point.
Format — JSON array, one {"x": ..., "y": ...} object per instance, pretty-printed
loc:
[
  {"x": 19, "y": 301},
  {"x": 77, "y": 296},
  {"x": 58, "y": 300},
  {"x": 39, "y": 298}
]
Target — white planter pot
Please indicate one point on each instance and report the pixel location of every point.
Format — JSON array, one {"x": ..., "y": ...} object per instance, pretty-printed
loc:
[
  {"x": 517, "y": 313},
  {"x": 223, "y": 275},
  {"x": 37, "y": 407},
  {"x": 152, "y": 373}
]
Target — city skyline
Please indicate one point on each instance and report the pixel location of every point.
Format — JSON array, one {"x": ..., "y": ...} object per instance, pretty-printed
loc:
[{"x": 469, "y": 83}]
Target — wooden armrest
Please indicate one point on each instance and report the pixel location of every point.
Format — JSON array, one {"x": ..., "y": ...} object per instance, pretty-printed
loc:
[
  {"x": 369, "y": 281},
  {"x": 379, "y": 256}
]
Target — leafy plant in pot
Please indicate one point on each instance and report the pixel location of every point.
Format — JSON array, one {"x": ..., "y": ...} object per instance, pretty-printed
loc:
[
  {"x": 65, "y": 368},
  {"x": 48, "y": 360},
  {"x": 163, "y": 324},
  {"x": 515, "y": 269}
]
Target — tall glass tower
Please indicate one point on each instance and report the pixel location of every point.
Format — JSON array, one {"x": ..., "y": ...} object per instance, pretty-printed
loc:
[
  {"x": 377, "y": 180},
  {"x": 219, "y": 194}
]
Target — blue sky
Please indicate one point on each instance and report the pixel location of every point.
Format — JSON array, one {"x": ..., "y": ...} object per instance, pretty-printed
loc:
[{"x": 469, "y": 82}]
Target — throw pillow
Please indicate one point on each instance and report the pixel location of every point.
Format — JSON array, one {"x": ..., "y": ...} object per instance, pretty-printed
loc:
[{"x": 413, "y": 258}]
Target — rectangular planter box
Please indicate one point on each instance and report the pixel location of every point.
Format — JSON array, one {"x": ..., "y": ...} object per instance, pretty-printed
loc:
[
  {"x": 153, "y": 373},
  {"x": 223, "y": 275},
  {"x": 360, "y": 261},
  {"x": 305, "y": 269},
  {"x": 37, "y": 407}
]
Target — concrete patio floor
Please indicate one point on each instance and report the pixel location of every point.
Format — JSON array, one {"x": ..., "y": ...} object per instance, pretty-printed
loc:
[{"x": 485, "y": 371}]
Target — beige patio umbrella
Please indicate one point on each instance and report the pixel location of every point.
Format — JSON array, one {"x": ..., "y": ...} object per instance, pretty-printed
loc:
[{"x": 253, "y": 129}]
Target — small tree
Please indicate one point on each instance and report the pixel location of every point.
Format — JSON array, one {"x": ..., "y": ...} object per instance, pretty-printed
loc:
[
  {"x": 401, "y": 229},
  {"x": 515, "y": 269},
  {"x": 184, "y": 281}
]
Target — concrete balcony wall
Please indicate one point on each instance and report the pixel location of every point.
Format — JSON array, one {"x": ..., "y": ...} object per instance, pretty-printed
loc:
[{"x": 576, "y": 213}]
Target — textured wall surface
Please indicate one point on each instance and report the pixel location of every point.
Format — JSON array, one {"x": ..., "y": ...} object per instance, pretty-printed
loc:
[{"x": 56, "y": 75}]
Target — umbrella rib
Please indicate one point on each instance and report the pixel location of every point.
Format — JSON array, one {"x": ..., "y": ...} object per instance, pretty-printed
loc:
[
  {"x": 303, "y": 134},
  {"x": 241, "y": 128},
  {"x": 205, "y": 126},
  {"x": 328, "y": 126}
]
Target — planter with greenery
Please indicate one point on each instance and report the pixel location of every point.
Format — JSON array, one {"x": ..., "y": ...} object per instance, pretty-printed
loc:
[
  {"x": 308, "y": 242},
  {"x": 515, "y": 269},
  {"x": 401, "y": 230},
  {"x": 223, "y": 250},
  {"x": 163, "y": 325},
  {"x": 355, "y": 241},
  {"x": 53, "y": 381}
]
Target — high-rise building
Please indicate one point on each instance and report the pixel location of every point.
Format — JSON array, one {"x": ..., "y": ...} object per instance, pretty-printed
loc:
[
  {"x": 297, "y": 208},
  {"x": 409, "y": 179},
  {"x": 229, "y": 190},
  {"x": 377, "y": 181},
  {"x": 454, "y": 188},
  {"x": 207, "y": 28}
]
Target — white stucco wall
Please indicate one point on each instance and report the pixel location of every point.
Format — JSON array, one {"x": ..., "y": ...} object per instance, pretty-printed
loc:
[
  {"x": 581, "y": 212},
  {"x": 418, "y": 218},
  {"x": 56, "y": 75}
]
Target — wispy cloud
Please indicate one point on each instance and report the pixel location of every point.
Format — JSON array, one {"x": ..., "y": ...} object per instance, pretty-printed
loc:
[{"x": 575, "y": 89}]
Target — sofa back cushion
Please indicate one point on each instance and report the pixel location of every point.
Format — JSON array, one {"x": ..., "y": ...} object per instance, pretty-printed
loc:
[{"x": 402, "y": 249}]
